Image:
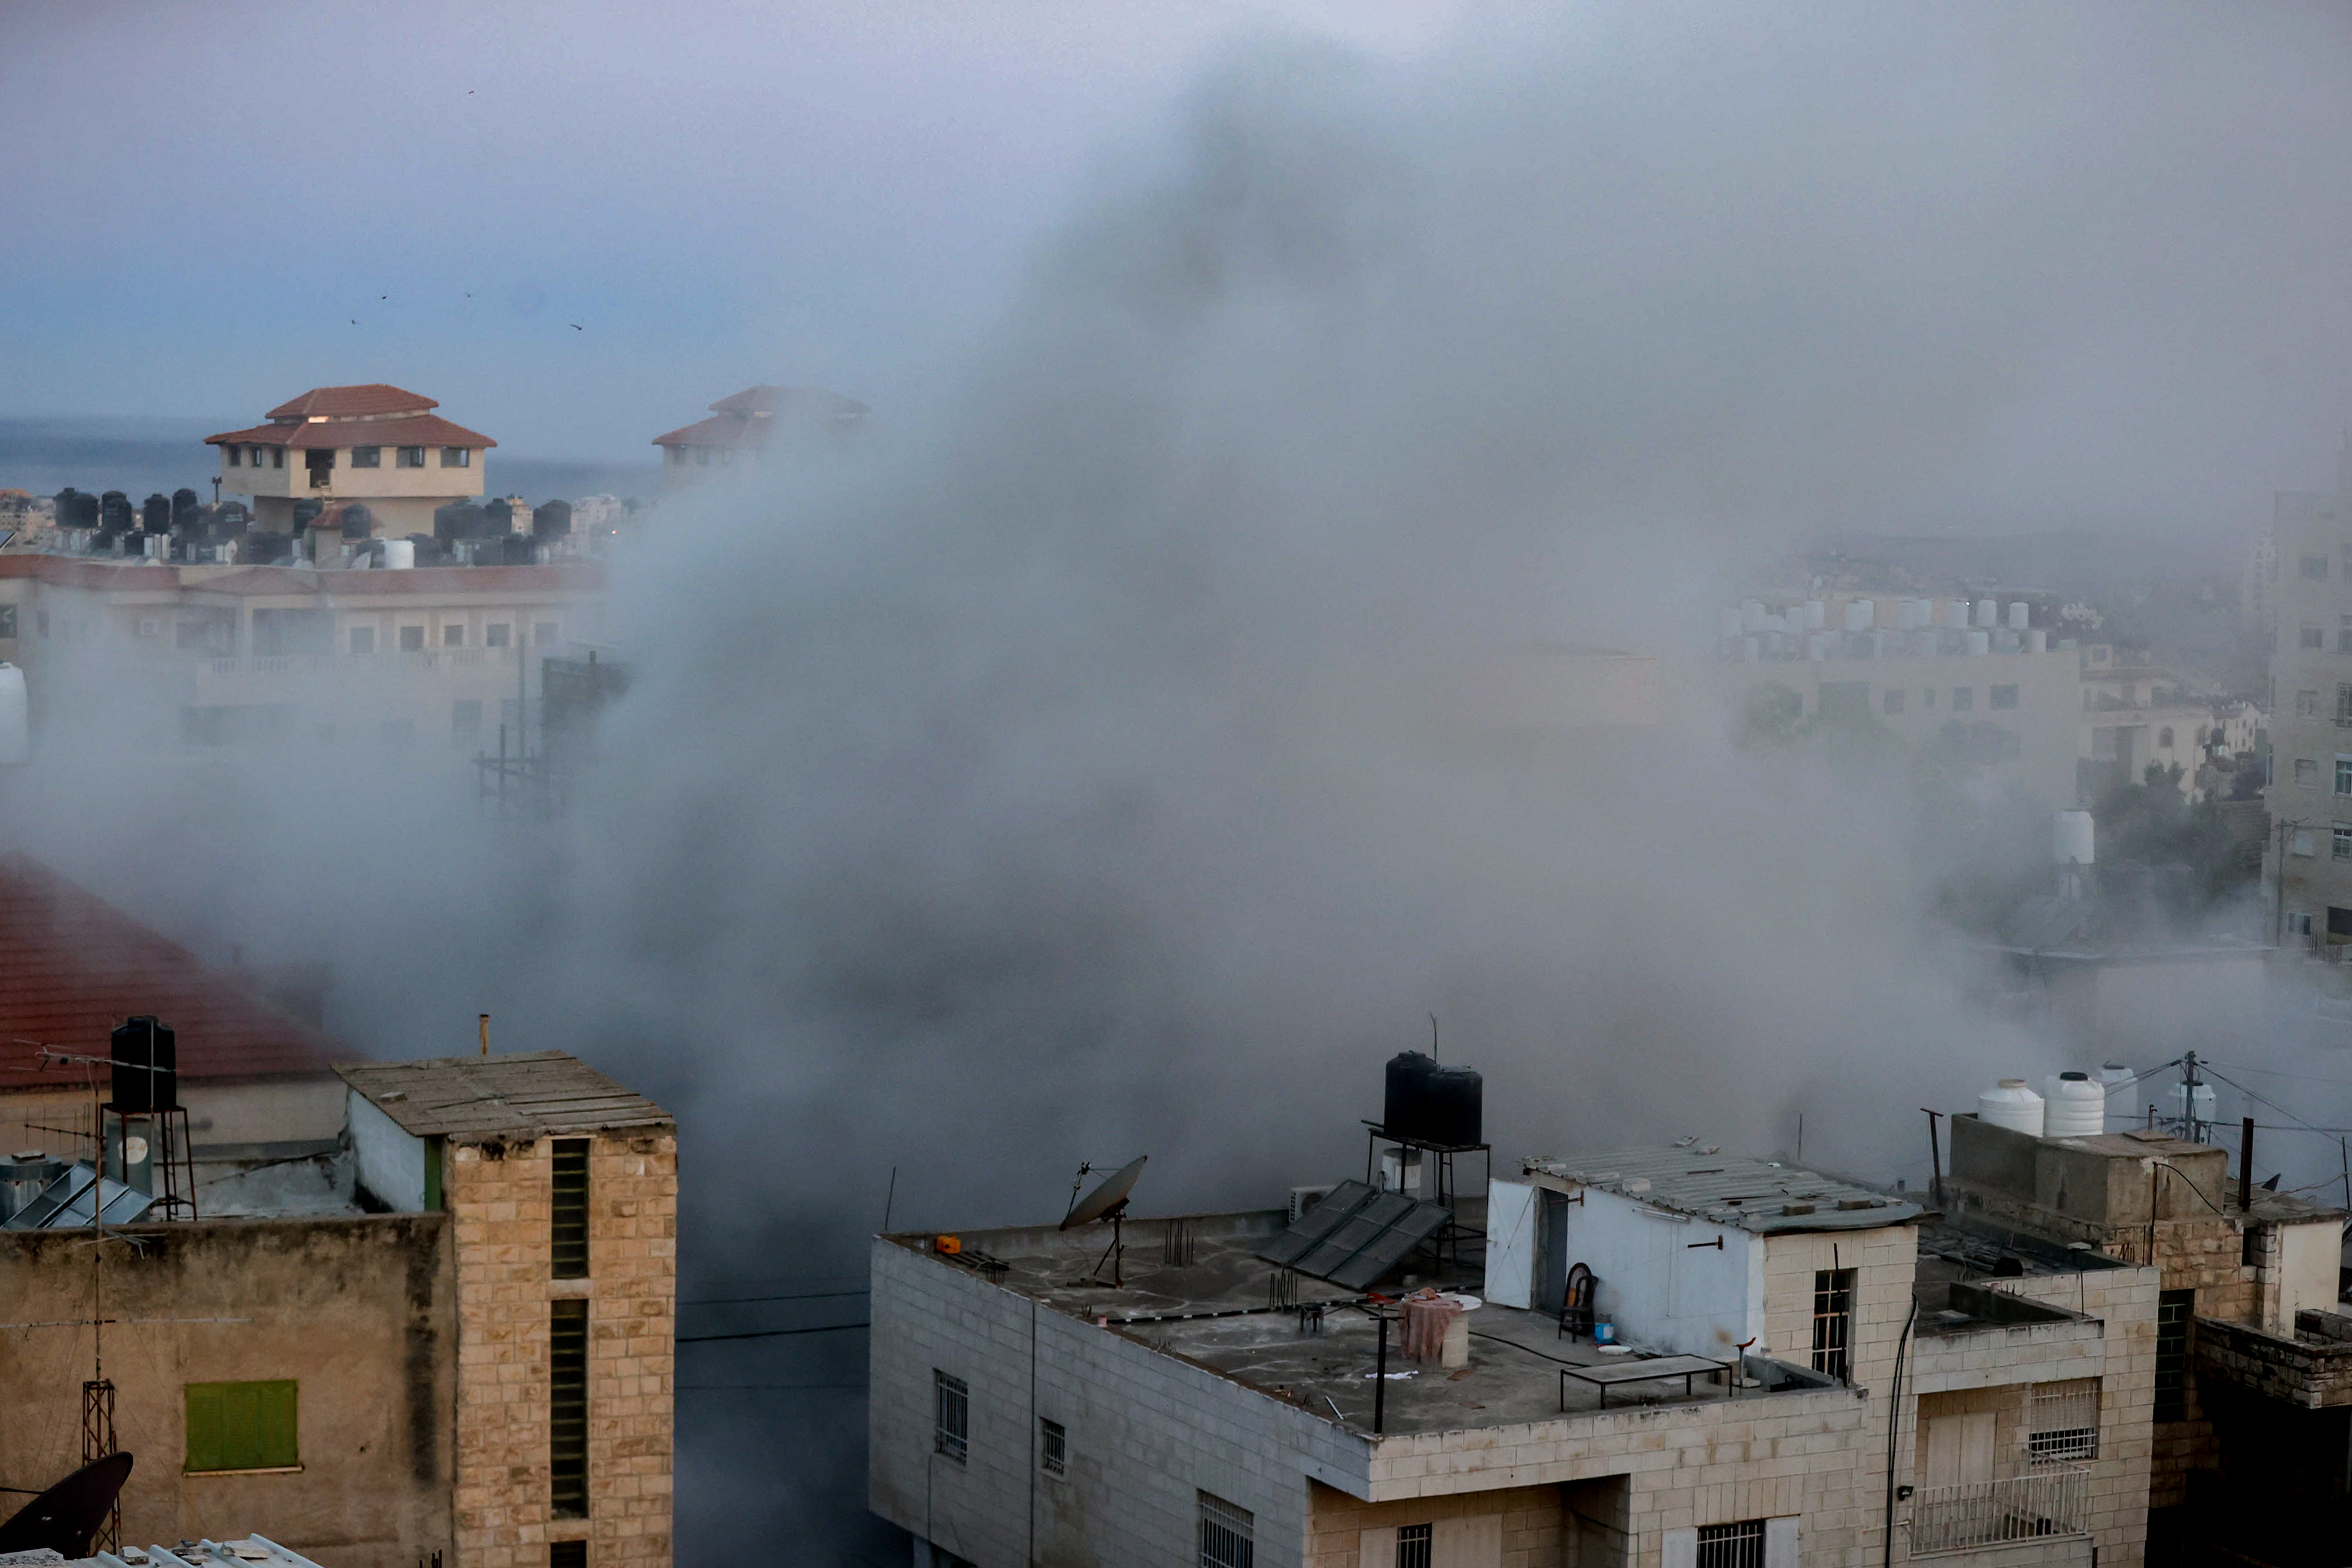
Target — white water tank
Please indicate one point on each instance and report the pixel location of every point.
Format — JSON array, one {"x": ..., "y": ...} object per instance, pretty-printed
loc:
[
  {"x": 2020, "y": 612},
  {"x": 1988, "y": 613},
  {"x": 2070, "y": 837},
  {"x": 16, "y": 720},
  {"x": 2113, "y": 1078},
  {"x": 2074, "y": 1107},
  {"x": 2037, "y": 641},
  {"x": 1859, "y": 613},
  {"x": 1956, "y": 615},
  {"x": 1817, "y": 616},
  {"x": 1980, "y": 642},
  {"x": 399, "y": 554},
  {"x": 2011, "y": 1105}
]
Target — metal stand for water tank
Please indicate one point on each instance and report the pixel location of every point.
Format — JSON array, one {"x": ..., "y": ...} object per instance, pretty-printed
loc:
[
  {"x": 1448, "y": 1241},
  {"x": 172, "y": 1160}
]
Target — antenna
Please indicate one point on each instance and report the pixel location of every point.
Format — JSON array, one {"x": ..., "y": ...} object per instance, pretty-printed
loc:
[{"x": 1107, "y": 1202}]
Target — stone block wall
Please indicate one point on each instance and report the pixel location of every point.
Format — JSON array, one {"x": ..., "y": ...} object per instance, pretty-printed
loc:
[{"x": 499, "y": 1195}]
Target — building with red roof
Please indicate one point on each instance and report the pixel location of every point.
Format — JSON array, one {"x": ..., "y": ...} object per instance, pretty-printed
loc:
[
  {"x": 746, "y": 427},
  {"x": 376, "y": 444}
]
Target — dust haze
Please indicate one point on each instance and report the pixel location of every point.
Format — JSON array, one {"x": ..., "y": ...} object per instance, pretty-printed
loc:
[{"x": 1073, "y": 776}]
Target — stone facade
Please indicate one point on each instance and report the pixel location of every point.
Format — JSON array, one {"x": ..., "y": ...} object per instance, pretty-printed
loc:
[{"x": 499, "y": 1197}]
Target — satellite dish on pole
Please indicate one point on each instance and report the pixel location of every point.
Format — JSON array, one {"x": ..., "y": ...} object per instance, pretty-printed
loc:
[
  {"x": 1109, "y": 1202},
  {"x": 66, "y": 1518}
]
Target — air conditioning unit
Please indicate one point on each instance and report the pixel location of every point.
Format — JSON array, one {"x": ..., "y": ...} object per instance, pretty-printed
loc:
[{"x": 1304, "y": 1198}]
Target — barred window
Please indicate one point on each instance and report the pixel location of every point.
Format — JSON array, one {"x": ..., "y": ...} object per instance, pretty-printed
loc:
[
  {"x": 1053, "y": 1448},
  {"x": 1739, "y": 1545},
  {"x": 568, "y": 1213},
  {"x": 1413, "y": 1545},
  {"x": 567, "y": 1414},
  {"x": 2062, "y": 1422},
  {"x": 2173, "y": 1310},
  {"x": 1228, "y": 1534},
  {"x": 1832, "y": 1324},
  {"x": 951, "y": 1415}
]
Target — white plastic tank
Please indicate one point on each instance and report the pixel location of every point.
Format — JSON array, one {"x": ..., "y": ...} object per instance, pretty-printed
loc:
[
  {"x": 1956, "y": 615},
  {"x": 1859, "y": 613},
  {"x": 2037, "y": 641},
  {"x": 1751, "y": 615},
  {"x": 2070, "y": 837},
  {"x": 2074, "y": 1107},
  {"x": 2020, "y": 614},
  {"x": 1980, "y": 642},
  {"x": 1817, "y": 616},
  {"x": 2013, "y": 1105},
  {"x": 1987, "y": 614},
  {"x": 16, "y": 719},
  {"x": 1817, "y": 645},
  {"x": 399, "y": 554},
  {"x": 2113, "y": 1078}
]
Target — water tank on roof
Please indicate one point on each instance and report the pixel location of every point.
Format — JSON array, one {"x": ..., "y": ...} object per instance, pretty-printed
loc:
[
  {"x": 146, "y": 1060},
  {"x": 2037, "y": 641},
  {"x": 1405, "y": 1109},
  {"x": 2020, "y": 614},
  {"x": 1751, "y": 615},
  {"x": 16, "y": 719},
  {"x": 399, "y": 554},
  {"x": 2071, "y": 838},
  {"x": 1980, "y": 642},
  {"x": 2113, "y": 1078},
  {"x": 1456, "y": 1113},
  {"x": 2074, "y": 1107},
  {"x": 2011, "y": 1105},
  {"x": 1817, "y": 615},
  {"x": 1858, "y": 613},
  {"x": 23, "y": 1174},
  {"x": 1988, "y": 613}
]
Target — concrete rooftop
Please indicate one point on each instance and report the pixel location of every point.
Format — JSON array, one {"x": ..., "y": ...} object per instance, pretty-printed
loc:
[{"x": 1764, "y": 1197}]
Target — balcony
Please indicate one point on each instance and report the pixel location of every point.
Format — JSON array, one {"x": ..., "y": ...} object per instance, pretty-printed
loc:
[{"x": 2042, "y": 1503}]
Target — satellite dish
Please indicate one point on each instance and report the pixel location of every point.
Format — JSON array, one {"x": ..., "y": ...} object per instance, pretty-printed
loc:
[
  {"x": 1106, "y": 1200},
  {"x": 66, "y": 1518}
]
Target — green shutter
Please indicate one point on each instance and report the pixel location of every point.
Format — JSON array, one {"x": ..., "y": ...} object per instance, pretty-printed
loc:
[{"x": 242, "y": 1426}]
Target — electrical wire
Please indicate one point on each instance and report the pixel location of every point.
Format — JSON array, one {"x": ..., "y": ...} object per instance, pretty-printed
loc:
[
  {"x": 770, "y": 1334},
  {"x": 800, "y": 1296}
]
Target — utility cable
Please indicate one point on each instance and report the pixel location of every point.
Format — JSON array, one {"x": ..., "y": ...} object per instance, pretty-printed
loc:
[
  {"x": 800, "y": 1296},
  {"x": 770, "y": 1334}
]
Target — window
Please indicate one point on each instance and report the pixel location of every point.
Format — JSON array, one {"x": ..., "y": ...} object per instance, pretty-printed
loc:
[
  {"x": 2343, "y": 775},
  {"x": 412, "y": 639},
  {"x": 1228, "y": 1534},
  {"x": 2314, "y": 639},
  {"x": 950, "y": 1416},
  {"x": 7, "y": 620},
  {"x": 2341, "y": 836},
  {"x": 1892, "y": 702},
  {"x": 2173, "y": 1309},
  {"x": 1832, "y": 1323},
  {"x": 456, "y": 457},
  {"x": 498, "y": 634},
  {"x": 2004, "y": 697},
  {"x": 2344, "y": 634},
  {"x": 2062, "y": 1422},
  {"x": 1413, "y": 1545},
  {"x": 2339, "y": 922},
  {"x": 2306, "y": 704},
  {"x": 1738, "y": 1545},
  {"x": 363, "y": 639},
  {"x": 144, "y": 626},
  {"x": 2307, "y": 772},
  {"x": 2163, "y": 736},
  {"x": 235, "y": 454},
  {"x": 242, "y": 1426},
  {"x": 465, "y": 723},
  {"x": 567, "y": 1554},
  {"x": 277, "y": 457},
  {"x": 2314, "y": 569},
  {"x": 367, "y": 456},
  {"x": 2250, "y": 1247},
  {"x": 2298, "y": 924},
  {"x": 542, "y": 635},
  {"x": 1843, "y": 700},
  {"x": 567, "y": 1409},
  {"x": 411, "y": 457},
  {"x": 453, "y": 635},
  {"x": 2343, "y": 705},
  {"x": 1964, "y": 699},
  {"x": 1053, "y": 1449},
  {"x": 569, "y": 1211},
  {"x": 702, "y": 456},
  {"x": 41, "y": 622}
]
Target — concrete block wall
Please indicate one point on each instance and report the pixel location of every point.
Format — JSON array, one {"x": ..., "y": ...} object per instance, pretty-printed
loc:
[
  {"x": 499, "y": 1195},
  {"x": 1533, "y": 1534},
  {"x": 1148, "y": 1430}
]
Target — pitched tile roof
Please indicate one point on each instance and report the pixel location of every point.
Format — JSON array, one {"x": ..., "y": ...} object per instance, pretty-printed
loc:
[
  {"x": 532, "y": 1094},
  {"x": 746, "y": 418},
  {"x": 73, "y": 967},
  {"x": 350, "y": 401},
  {"x": 413, "y": 430}
]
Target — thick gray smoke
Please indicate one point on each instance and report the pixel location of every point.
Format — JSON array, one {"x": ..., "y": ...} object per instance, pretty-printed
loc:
[{"x": 1073, "y": 778}]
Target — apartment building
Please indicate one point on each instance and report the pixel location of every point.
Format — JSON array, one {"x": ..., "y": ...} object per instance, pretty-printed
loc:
[
  {"x": 2309, "y": 861},
  {"x": 431, "y": 661},
  {"x": 447, "y": 1334},
  {"x": 376, "y": 445},
  {"x": 755, "y": 425}
]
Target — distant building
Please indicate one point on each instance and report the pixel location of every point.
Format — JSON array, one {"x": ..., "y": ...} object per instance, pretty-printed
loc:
[
  {"x": 757, "y": 423},
  {"x": 376, "y": 445},
  {"x": 599, "y": 515},
  {"x": 2136, "y": 715},
  {"x": 2310, "y": 790}
]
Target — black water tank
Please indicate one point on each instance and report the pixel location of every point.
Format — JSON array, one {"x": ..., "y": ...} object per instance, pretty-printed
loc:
[
  {"x": 1406, "y": 1108},
  {"x": 1454, "y": 1111},
  {"x": 146, "y": 1059},
  {"x": 358, "y": 522}
]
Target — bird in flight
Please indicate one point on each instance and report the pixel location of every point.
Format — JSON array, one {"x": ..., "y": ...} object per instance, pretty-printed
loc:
[
  {"x": 575, "y": 326},
  {"x": 355, "y": 321}
]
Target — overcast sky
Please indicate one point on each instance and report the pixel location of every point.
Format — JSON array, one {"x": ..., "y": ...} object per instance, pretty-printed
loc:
[{"x": 217, "y": 207}]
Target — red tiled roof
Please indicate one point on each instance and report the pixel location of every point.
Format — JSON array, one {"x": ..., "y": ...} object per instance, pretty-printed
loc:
[
  {"x": 351, "y": 402},
  {"x": 746, "y": 418},
  {"x": 720, "y": 430},
  {"x": 72, "y": 966},
  {"x": 417, "y": 431},
  {"x": 810, "y": 400}
]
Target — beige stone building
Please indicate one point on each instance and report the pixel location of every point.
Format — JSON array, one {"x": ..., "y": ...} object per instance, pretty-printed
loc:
[
  {"x": 454, "y": 1341},
  {"x": 756, "y": 424},
  {"x": 2308, "y": 863},
  {"x": 376, "y": 445}
]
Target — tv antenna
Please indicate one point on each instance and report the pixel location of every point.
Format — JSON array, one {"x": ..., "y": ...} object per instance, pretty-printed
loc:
[{"x": 1107, "y": 1202}]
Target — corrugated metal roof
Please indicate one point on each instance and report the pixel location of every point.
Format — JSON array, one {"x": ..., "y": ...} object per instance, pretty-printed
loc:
[
  {"x": 531, "y": 1095},
  {"x": 1759, "y": 1196}
]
